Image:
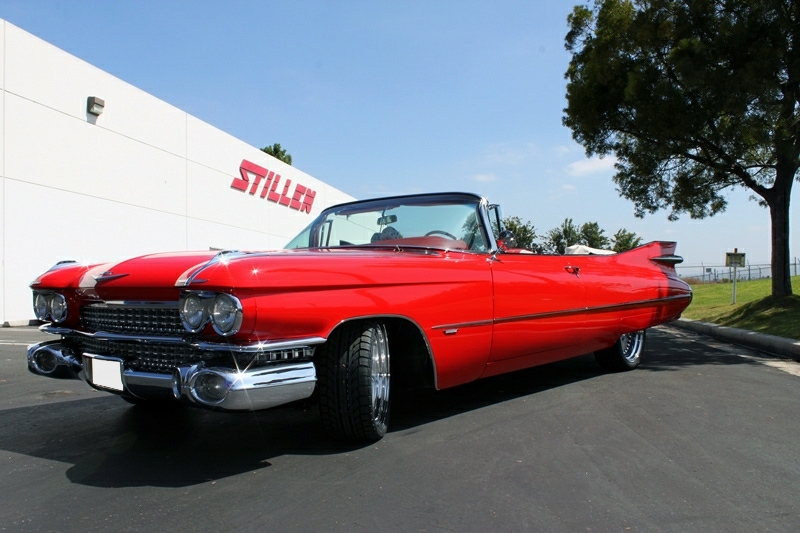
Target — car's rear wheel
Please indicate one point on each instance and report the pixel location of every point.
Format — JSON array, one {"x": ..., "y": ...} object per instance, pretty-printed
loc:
[
  {"x": 353, "y": 379},
  {"x": 625, "y": 354}
]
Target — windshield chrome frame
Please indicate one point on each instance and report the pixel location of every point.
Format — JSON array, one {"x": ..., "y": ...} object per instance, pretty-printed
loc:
[
  {"x": 482, "y": 206},
  {"x": 487, "y": 226}
]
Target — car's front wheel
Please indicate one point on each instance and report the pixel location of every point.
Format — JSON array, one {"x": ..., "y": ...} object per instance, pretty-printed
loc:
[
  {"x": 625, "y": 354},
  {"x": 353, "y": 376}
]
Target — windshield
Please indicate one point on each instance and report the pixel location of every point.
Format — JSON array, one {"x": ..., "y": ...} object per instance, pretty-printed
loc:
[{"x": 444, "y": 221}]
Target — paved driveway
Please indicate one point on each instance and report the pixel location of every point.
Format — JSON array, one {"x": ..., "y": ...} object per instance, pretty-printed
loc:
[{"x": 702, "y": 437}]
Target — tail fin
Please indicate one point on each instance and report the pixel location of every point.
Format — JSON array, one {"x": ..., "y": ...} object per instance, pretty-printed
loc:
[{"x": 659, "y": 252}]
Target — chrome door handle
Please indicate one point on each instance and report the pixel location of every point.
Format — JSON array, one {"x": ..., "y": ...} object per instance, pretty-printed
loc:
[{"x": 573, "y": 270}]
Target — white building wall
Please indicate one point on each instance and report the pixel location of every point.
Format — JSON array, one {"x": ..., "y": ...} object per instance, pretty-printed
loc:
[
  {"x": 142, "y": 177},
  {"x": 4, "y": 214}
]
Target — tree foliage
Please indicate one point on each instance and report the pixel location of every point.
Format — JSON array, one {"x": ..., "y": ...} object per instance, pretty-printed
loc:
[
  {"x": 525, "y": 233},
  {"x": 592, "y": 236},
  {"x": 568, "y": 233},
  {"x": 693, "y": 97},
  {"x": 564, "y": 235},
  {"x": 278, "y": 153},
  {"x": 625, "y": 240}
]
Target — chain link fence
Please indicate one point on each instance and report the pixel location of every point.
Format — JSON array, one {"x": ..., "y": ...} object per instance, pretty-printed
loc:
[{"x": 722, "y": 274}]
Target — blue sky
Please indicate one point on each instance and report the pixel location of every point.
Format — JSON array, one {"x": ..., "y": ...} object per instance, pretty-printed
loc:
[{"x": 381, "y": 98}]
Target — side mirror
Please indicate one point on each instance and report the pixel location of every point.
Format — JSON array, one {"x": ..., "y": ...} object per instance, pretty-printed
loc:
[{"x": 506, "y": 240}]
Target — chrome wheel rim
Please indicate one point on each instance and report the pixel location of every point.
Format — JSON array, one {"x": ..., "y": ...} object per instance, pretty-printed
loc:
[
  {"x": 631, "y": 345},
  {"x": 380, "y": 376}
]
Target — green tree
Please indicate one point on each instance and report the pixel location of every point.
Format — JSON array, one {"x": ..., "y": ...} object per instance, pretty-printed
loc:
[
  {"x": 559, "y": 238},
  {"x": 693, "y": 97},
  {"x": 524, "y": 233},
  {"x": 278, "y": 153},
  {"x": 592, "y": 236},
  {"x": 625, "y": 240}
]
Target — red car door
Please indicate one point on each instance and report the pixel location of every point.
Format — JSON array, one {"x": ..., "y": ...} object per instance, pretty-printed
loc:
[{"x": 539, "y": 309}]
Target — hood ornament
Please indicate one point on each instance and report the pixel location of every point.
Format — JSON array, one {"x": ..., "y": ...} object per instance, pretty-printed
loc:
[
  {"x": 108, "y": 276},
  {"x": 190, "y": 276}
]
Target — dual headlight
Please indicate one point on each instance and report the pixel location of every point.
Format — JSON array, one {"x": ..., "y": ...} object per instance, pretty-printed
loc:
[
  {"x": 49, "y": 306},
  {"x": 221, "y": 309}
]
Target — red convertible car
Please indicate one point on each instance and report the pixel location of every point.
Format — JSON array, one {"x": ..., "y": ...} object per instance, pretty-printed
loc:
[{"x": 423, "y": 290}]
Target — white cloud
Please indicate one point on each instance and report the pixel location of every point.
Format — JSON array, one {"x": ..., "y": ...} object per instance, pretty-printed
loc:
[
  {"x": 561, "y": 150},
  {"x": 509, "y": 154},
  {"x": 594, "y": 165},
  {"x": 484, "y": 178},
  {"x": 568, "y": 187}
]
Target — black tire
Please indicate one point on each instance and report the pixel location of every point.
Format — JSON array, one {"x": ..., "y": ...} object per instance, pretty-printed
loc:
[
  {"x": 353, "y": 376},
  {"x": 625, "y": 354}
]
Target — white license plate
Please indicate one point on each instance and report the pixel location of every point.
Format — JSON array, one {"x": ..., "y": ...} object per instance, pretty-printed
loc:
[{"x": 107, "y": 374}]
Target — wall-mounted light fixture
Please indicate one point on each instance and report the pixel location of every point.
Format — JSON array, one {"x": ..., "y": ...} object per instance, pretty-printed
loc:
[{"x": 95, "y": 105}]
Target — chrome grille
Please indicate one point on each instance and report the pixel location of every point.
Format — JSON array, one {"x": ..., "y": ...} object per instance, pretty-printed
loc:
[
  {"x": 157, "y": 321},
  {"x": 162, "y": 358},
  {"x": 145, "y": 356}
]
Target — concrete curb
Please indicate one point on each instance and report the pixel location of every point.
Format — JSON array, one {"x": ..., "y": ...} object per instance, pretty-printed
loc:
[{"x": 779, "y": 346}]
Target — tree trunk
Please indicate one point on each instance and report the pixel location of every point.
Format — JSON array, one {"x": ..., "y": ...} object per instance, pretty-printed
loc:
[{"x": 779, "y": 218}]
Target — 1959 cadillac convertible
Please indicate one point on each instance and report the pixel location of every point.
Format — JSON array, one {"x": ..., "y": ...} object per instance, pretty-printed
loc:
[{"x": 424, "y": 290}]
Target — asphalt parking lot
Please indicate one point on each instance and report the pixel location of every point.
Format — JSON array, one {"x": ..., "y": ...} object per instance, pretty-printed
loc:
[{"x": 703, "y": 436}]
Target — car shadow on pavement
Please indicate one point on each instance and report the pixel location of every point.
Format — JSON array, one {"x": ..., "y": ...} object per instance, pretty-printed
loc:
[
  {"x": 414, "y": 408},
  {"x": 112, "y": 444},
  {"x": 670, "y": 349},
  {"x": 665, "y": 351}
]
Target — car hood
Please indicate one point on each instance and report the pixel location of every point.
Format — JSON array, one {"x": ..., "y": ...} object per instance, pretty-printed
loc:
[
  {"x": 148, "y": 276},
  {"x": 148, "y": 271},
  {"x": 311, "y": 269}
]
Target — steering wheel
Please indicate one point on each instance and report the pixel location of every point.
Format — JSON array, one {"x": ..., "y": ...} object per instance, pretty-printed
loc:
[{"x": 440, "y": 232}]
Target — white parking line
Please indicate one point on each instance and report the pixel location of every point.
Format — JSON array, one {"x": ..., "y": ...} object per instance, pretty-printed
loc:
[{"x": 786, "y": 365}]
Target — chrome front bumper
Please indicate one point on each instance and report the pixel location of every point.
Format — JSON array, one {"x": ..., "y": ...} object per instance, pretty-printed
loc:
[{"x": 211, "y": 387}]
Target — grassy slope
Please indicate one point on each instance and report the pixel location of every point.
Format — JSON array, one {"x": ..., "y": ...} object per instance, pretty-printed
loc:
[{"x": 754, "y": 310}]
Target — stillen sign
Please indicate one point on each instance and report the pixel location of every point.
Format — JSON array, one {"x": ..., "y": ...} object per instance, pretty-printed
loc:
[{"x": 301, "y": 199}]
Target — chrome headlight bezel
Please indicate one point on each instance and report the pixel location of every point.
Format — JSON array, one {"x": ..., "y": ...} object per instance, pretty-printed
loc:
[
  {"x": 224, "y": 311},
  {"x": 226, "y": 314},
  {"x": 41, "y": 305},
  {"x": 193, "y": 309},
  {"x": 50, "y": 305},
  {"x": 58, "y": 307}
]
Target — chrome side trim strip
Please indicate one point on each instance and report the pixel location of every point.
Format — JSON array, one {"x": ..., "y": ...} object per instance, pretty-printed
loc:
[
  {"x": 637, "y": 304},
  {"x": 475, "y": 324},
  {"x": 567, "y": 312},
  {"x": 537, "y": 316}
]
